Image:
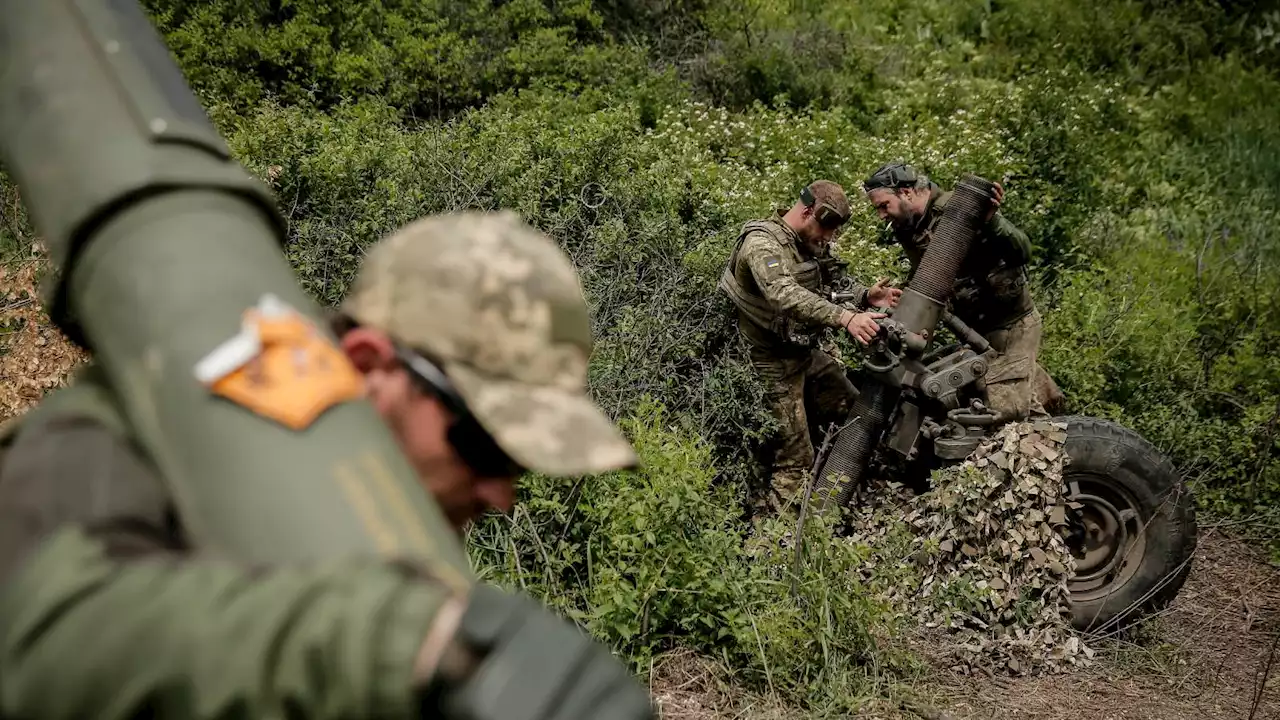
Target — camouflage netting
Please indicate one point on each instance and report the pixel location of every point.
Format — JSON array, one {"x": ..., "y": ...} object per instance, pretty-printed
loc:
[{"x": 979, "y": 561}]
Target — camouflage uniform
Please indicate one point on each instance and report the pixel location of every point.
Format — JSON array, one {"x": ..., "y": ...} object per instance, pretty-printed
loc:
[
  {"x": 775, "y": 284},
  {"x": 90, "y": 537},
  {"x": 992, "y": 297}
]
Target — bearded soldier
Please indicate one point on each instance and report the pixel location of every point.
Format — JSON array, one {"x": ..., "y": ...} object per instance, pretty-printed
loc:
[
  {"x": 991, "y": 293},
  {"x": 779, "y": 277}
]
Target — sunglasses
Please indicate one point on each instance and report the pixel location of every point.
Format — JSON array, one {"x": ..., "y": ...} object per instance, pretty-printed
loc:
[
  {"x": 469, "y": 439},
  {"x": 894, "y": 176}
]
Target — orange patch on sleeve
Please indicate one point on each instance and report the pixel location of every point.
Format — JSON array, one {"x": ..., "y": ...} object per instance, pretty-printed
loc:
[{"x": 297, "y": 374}]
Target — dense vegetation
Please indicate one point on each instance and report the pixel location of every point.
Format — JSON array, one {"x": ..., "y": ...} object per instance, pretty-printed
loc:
[{"x": 1138, "y": 141}]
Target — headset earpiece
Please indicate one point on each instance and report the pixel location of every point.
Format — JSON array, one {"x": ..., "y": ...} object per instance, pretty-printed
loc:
[{"x": 807, "y": 197}]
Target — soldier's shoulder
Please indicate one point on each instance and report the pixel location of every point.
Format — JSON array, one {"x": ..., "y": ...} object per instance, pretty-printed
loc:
[
  {"x": 760, "y": 245},
  {"x": 761, "y": 232},
  {"x": 937, "y": 206},
  {"x": 758, "y": 223}
]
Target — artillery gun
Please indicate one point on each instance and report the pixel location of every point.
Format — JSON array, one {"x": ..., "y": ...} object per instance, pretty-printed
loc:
[{"x": 1131, "y": 518}]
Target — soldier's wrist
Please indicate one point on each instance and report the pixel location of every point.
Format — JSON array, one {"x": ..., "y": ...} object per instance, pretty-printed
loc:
[
  {"x": 498, "y": 636},
  {"x": 440, "y": 659}
]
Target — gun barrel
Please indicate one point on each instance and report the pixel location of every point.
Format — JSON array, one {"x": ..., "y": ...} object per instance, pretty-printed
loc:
[
  {"x": 965, "y": 333},
  {"x": 919, "y": 309},
  {"x": 162, "y": 242}
]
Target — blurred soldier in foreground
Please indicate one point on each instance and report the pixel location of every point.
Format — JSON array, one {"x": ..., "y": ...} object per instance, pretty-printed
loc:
[
  {"x": 991, "y": 292},
  {"x": 472, "y": 337},
  {"x": 780, "y": 276}
]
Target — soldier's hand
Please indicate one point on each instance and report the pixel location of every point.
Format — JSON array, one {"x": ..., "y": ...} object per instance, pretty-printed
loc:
[
  {"x": 862, "y": 326},
  {"x": 995, "y": 201},
  {"x": 881, "y": 295}
]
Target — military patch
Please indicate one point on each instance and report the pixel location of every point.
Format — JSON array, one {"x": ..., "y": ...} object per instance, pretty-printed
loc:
[
  {"x": 280, "y": 366},
  {"x": 772, "y": 268}
]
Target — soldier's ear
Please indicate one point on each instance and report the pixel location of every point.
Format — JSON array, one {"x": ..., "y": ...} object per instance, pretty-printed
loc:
[{"x": 368, "y": 349}]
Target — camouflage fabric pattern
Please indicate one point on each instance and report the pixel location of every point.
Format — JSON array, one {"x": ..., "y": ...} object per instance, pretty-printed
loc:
[
  {"x": 780, "y": 313},
  {"x": 500, "y": 307},
  {"x": 767, "y": 268},
  {"x": 1013, "y": 379},
  {"x": 802, "y": 393}
]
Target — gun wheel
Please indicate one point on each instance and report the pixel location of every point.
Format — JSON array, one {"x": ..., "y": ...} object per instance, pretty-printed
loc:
[
  {"x": 1133, "y": 534},
  {"x": 1107, "y": 539}
]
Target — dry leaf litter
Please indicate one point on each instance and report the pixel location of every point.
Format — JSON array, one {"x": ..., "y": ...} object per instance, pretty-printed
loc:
[
  {"x": 35, "y": 357},
  {"x": 989, "y": 566}
]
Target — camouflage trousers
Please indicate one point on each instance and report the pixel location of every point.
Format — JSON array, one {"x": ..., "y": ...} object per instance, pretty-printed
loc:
[
  {"x": 804, "y": 394},
  {"x": 1015, "y": 380}
]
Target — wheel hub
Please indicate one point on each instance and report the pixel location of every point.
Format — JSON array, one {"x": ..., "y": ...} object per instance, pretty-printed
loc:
[{"x": 1105, "y": 540}]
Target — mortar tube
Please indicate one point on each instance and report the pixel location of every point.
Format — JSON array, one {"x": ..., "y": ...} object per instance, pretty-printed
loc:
[{"x": 919, "y": 310}]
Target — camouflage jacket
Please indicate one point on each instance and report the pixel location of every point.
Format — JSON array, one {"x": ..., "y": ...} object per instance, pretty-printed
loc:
[
  {"x": 991, "y": 286},
  {"x": 90, "y": 540},
  {"x": 778, "y": 287}
]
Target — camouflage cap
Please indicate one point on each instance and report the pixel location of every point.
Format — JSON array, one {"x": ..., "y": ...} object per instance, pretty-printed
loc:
[{"x": 499, "y": 305}]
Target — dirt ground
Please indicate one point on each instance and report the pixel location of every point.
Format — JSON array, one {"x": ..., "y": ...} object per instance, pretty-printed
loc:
[
  {"x": 34, "y": 356},
  {"x": 1205, "y": 657}
]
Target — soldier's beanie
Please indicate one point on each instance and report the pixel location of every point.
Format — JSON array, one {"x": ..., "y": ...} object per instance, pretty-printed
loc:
[{"x": 499, "y": 306}]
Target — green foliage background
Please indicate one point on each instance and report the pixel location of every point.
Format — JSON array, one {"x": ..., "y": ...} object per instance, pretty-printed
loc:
[{"x": 1138, "y": 143}]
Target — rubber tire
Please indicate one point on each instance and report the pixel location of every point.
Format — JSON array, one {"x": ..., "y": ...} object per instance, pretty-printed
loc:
[{"x": 1122, "y": 456}]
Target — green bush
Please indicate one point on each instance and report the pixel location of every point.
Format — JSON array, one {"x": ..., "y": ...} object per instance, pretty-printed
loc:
[
  {"x": 657, "y": 558},
  {"x": 427, "y": 59},
  {"x": 1151, "y": 208}
]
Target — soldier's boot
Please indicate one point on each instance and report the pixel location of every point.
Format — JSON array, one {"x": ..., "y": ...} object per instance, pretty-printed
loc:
[{"x": 782, "y": 502}]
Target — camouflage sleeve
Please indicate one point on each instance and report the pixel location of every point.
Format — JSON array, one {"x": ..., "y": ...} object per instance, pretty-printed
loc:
[
  {"x": 764, "y": 256},
  {"x": 85, "y": 554},
  {"x": 206, "y": 639},
  {"x": 1009, "y": 242}
]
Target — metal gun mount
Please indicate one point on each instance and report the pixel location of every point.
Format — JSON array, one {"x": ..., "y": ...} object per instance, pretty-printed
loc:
[
  {"x": 944, "y": 382},
  {"x": 1132, "y": 524}
]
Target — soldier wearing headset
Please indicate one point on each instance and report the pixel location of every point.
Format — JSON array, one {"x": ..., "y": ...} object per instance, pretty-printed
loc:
[
  {"x": 991, "y": 292},
  {"x": 779, "y": 277}
]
